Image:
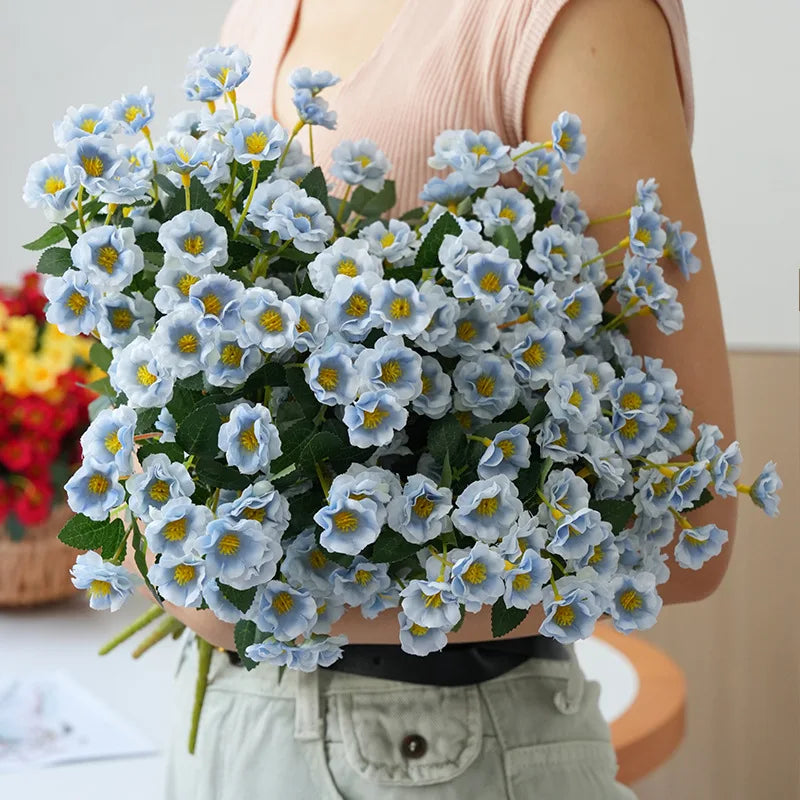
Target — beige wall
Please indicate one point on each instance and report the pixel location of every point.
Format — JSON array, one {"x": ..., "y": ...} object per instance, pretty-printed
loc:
[{"x": 740, "y": 648}]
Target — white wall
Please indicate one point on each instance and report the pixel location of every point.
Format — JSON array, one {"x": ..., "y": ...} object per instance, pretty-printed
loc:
[{"x": 746, "y": 62}]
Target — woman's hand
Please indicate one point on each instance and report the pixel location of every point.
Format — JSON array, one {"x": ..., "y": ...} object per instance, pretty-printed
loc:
[{"x": 611, "y": 62}]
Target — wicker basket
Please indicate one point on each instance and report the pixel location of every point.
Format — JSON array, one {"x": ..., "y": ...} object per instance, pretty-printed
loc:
[{"x": 35, "y": 569}]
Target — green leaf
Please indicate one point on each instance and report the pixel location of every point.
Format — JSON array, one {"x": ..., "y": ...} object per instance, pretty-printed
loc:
[
  {"x": 447, "y": 436},
  {"x": 148, "y": 241},
  {"x": 528, "y": 481},
  {"x": 241, "y": 598},
  {"x": 72, "y": 237},
  {"x": 540, "y": 411},
  {"x": 616, "y": 512},
  {"x": 301, "y": 448},
  {"x": 506, "y": 619},
  {"x": 240, "y": 254},
  {"x": 390, "y": 547},
  {"x": 315, "y": 185},
  {"x": 457, "y": 627},
  {"x": 504, "y": 236},
  {"x": 167, "y": 186},
  {"x": 199, "y": 431},
  {"x": 140, "y": 558},
  {"x": 102, "y": 386},
  {"x": 183, "y": 402},
  {"x": 172, "y": 450},
  {"x": 705, "y": 497},
  {"x": 302, "y": 393},
  {"x": 413, "y": 215},
  {"x": 199, "y": 199},
  {"x": 410, "y": 273},
  {"x": 146, "y": 419},
  {"x": 100, "y": 356},
  {"x": 428, "y": 255},
  {"x": 221, "y": 476},
  {"x": 447, "y": 471},
  {"x": 244, "y": 634},
  {"x": 544, "y": 210},
  {"x": 268, "y": 375},
  {"x": 83, "y": 533},
  {"x": 194, "y": 383},
  {"x": 373, "y": 204},
  {"x": 50, "y": 237},
  {"x": 55, "y": 261}
]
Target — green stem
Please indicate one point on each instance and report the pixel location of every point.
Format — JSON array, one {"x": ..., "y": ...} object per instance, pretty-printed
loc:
[
  {"x": 611, "y": 324},
  {"x": 80, "y": 209},
  {"x": 203, "y": 666},
  {"x": 297, "y": 128},
  {"x": 167, "y": 627},
  {"x": 152, "y": 614},
  {"x": 624, "y": 243},
  {"x": 343, "y": 203},
  {"x": 311, "y": 143},
  {"x": 149, "y": 138},
  {"x": 323, "y": 478},
  {"x": 186, "y": 180},
  {"x": 253, "y": 184},
  {"x": 611, "y": 217},
  {"x": 524, "y": 153}
]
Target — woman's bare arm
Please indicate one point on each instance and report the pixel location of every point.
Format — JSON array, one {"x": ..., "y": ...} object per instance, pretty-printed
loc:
[{"x": 611, "y": 62}]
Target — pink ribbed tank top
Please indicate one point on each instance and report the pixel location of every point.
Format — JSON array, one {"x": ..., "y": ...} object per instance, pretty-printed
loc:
[{"x": 404, "y": 95}]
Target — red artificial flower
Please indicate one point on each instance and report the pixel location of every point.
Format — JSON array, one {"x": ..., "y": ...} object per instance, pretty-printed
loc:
[
  {"x": 33, "y": 501},
  {"x": 16, "y": 453}
]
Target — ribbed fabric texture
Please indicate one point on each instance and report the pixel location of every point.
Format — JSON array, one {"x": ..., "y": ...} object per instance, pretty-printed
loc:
[{"x": 442, "y": 64}]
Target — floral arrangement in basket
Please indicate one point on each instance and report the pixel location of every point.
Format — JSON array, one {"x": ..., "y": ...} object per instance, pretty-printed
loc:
[
  {"x": 434, "y": 412},
  {"x": 43, "y": 407}
]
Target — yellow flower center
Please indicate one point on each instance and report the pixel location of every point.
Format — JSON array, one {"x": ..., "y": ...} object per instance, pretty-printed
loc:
[
  {"x": 573, "y": 309},
  {"x": 144, "y": 376},
  {"x": 630, "y": 429},
  {"x": 228, "y": 544},
  {"x": 576, "y": 398},
  {"x": 183, "y": 574},
  {"x": 185, "y": 282},
  {"x": 670, "y": 424},
  {"x": 475, "y": 573},
  {"x": 400, "y": 308},
  {"x": 211, "y": 304},
  {"x": 175, "y": 530},
  {"x": 357, "y": 306},
  {"x": 506, "y": 447},
  {"x": 328, "y": 378},
  {"x": 77, "y": 303},
  {"x": 271, "y": 321},
  {"x": 595, "y": 379},
  {"x": 98, "y": 484},
  {"x": 345, "y": 521},
  {"x": 187, "y": 343},
  {"x": 643, "y": 235},
  {"x": 480, "y": 150},
  {"x": 93, "y": 165},
  {"x": 631, "y": 401},
  {"x": 535, "y": 355},
  {"x": 522, "y": 581},
  {"x": 256, "y": 142},
  {"x": 391, "y": 372},
  {"x": 485, "y": 385},
  {"x": 54, "y": 184},
  {"x": 564, "y": 616},
  {"x": 112, "y": 443},
  {"x": 131, "y": 112},
  {"x": 597, "y": 555},
  {"x": 317, "y": 559},
  {"x": 282, "y": 602},
  {"x": 363, "y": 577},
  {"x": 487, "y": 507},
  {"x": 231, "y": 355},
  {"x": 159, "y": 491},
  {"x": 490, "y": 282},
  {"x": 434, "y": 600},
  {"x": 101, "y": 588},
  {"x": 302, "y": 325},
  {"x": 347, "y": 267},
  {"x": 364, "y": 161},
  {"x": 387, "y": 240},
  {"x": 121, "y": 319},
  {"x": 194, "y": 244},
  {"x": 427, "y": 384},
  {"x": 423, "y": 506},
  {"x": 248, "y": 439},
  {"x": 630, "y": 600},
  {"x": 255, "y": 513},
  {"x": 565, "y": 140},
  {"x": 88, "y": 125},
  {"x": 372, "y": 419},
  {"x": 466, "y": 331},
  {"x": 507, "y": 213},
  {"x": 417, "y": 630}
]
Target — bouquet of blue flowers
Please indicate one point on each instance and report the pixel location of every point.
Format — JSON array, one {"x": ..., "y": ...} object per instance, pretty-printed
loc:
[{"x": 310, "y": 406}]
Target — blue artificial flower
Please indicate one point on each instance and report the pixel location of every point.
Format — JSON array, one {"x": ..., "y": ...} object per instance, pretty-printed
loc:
[
  {"x": 641, "y": 286},
  {"x": 505, "y": 206},
  {"x": 603, "y": 557},
  {"x": 631, "y": 434},
  {"x": 159, "y": 482},
  {"x": 177, "y": 342},
  {"x": 567, "y": 213},
  {"x": 636, "y": 602},
  {"x": 486, "y": 386},
  {"x": 431, "y": 604},
  {"x": 74, "y": 306},
  {"x": 540, "y": 169},
  {"x": 109, "y": 439},
  {"x": 360, "y": 163},
  {"x": 349, "y": 306},
  {"x": 435, "y": 400},
  {"x": 296, "y": 164},
  {"x": 647, "y": 194},
  {"x": 507, "y": 454},
  {"x": 51, "y": 187},
  {"x": 391, "y": 242},
  {"x": 655, "y": 488},
  {"x": 536, "y": 354},
  {"x": 220, "y": 120},
  {"x": 174, "y": 280},
  {"x": 179, "y": 579},
  {"x": 764, "y": 490},
  {"x": 253, "y": 140},
  {"x": 420, "y": 513},
  {"x": 135, "y": 371},
  {"x": 217, "y": 298},
  {"x": 580, "y": 311},
  {"x": 262, "y": 502},
  {"x": 314, "y": 81},
  {"x": 697, "y": 545},
  {"x": 400, "y": 307},
  {"x": 647, "y": 238},
  {"x": 187, "y": 155},
  {"x": 491, "y": 278},
  {"x": 564, "y": 492},
  {"x": 555, "y": 253},
  {"x": 350, "y": 257},
  {"x": 194, "y": 239},
  {"x": 303, "y": 219},
  {"x": 249, "y": 439},
  {"x": 476, "y": 331},
  {"x": 123, "y": 318},
  {"x": 94, "y": 490},
  {"x": 233, "y": 548},
  {"x": 214, "y": 71},
  {"x": 133, "y": 111},
  {"x": 107, "y": 585},
  {"x": 447, "y": 192},
  {"x": 360, "y": 582},
  {"x": 419, "y": 640},
  {"x": 331, "y": 375},
  {"x": 393, "y": 366},
  {"x": 264, "y": 198},
  {"x": 307, "y": 565},
  {"x": 80, "y": 123},
  {"x": 373, "y": 483},
  {"x": 568, "y": 140},
  {"x": 725, "y": 469},
  {"x": 175, "y": 528},
  {"x": 571, "y": 614},
  {"x": 559, "y": 442},
  {"x": 454, "y": 251},
  {"x": 312, "y": 324},
  {"x": 578, "y": 532},
  {"x": 687, "y": 485},
  {"x": 382, "y": 601},
  {"x": 373, "y": 419},
  {"x": 313, "y": 110},
  {"x": 478, "y": 157},
  {"x": 486, "y": 509},
  {"x": 266, "y": 321},
  {"x": 283, "y": 611},
  {"x": 219, "y": 604},
  {"x": 524, "y": 580},
  {"x": 94, "y": 162},
  {"x": 678, "y": 249},
  {"x": 441, "y": 330},
  {"x": 571, "y": 398},
  {"x": 348, "y": 525},
  {"x": 635, "y": 394},
  {"x": 226, "y": 363},
  {"x": 109, "y": 256},
  {"x": 477, "y": 576}
]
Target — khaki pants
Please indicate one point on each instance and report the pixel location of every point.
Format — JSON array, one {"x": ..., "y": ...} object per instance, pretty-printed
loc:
[{"x": 534, "y": 733}]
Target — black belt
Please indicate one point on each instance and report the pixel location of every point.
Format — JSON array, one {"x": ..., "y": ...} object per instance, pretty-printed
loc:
[{"x": 457, "y": 665}]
